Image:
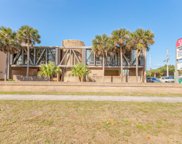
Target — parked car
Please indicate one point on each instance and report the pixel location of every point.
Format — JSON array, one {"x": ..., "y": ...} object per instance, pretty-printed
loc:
[
  {"x": 169, "y": 79},
  {"x": 153, "y": 80}
]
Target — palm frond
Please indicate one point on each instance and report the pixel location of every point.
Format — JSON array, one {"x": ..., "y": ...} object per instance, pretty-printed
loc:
[
  {"x": 48, "y": 70},
  {"x": 8, "y": 41}
]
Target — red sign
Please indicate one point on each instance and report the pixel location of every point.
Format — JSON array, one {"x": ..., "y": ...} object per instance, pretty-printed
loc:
[{"x": 179, "y": 43}]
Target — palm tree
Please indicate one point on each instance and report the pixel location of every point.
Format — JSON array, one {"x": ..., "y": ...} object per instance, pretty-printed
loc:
[
  {"x": 102, "y": 44},
  {"x": 28, "y": 36},
  {"x": 48, "y": 70},
  {"x": 121, "y": 38},
  {"x": 80, "y": 70},
  {"x": 8, "y": 45},
  {"x": 142, "y": 40}
]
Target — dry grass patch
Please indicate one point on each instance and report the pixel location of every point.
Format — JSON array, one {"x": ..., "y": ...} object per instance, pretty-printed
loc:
[{"x": 89, "y": 122}]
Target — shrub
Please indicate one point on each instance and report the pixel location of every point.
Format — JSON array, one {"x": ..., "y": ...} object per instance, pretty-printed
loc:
[
  {"x": 80, "y": 70},
  {"x": 49, "y": 70}
]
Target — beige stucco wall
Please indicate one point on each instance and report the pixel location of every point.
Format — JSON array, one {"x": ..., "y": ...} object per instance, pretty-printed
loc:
[
  {"x": 96, "y": 75},
  {"x": 76, "y": 52},
  {"x": 72, "y": 43},
  {"x": 96, "y": 72},
  {"x": 132, "y": 75},
  {"x": 22, "y": 71},
  {"x": 69, "y": 78},
  {"x": 2, "y": 64}
]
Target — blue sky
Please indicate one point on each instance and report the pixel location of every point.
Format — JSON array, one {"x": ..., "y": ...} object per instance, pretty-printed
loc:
[{"x": 83, "y": 19}]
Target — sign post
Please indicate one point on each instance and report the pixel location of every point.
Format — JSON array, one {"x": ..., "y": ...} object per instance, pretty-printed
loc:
[{"x": 178, "y": 58}]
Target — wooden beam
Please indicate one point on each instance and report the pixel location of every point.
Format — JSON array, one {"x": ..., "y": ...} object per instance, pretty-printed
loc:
[
  {"x": 68, "y": 57},
  {"x": 57, "y": 56},
  {"x": 40, "y": 57},
  {"x": 31, "y": 61},
  {"x": 76, "y": 56},
  {"x": 15, "y": 59},
  {"x": 64, "y": 57},
  {"x": 46, "y": 54},
  {"x": 126, "y": 59},
  {"x": 35, "y": 56}
]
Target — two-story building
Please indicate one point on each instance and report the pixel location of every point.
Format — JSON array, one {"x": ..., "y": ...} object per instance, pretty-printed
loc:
[{"x": 72, "y": 52}]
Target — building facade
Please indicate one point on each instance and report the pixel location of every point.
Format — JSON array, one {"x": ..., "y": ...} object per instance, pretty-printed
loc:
[
  {"x": 72, "y": 52},
  {"x": 2, "y": 65}
]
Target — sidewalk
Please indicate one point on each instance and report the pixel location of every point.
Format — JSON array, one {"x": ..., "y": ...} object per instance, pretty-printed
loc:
[{"x": 93, "y": 98}]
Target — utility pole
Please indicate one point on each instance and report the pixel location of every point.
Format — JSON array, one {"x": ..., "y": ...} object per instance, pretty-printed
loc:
[
  {"x": 167, "y": 62},
  {"x": 150, "y": 64}
]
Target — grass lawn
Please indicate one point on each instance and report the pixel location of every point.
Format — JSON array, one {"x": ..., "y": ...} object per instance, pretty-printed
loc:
[
  {"x": 98, "y": 93},
  {"x": 90, "y": 122}
]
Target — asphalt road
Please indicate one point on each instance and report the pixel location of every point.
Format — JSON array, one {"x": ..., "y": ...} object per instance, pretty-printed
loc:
[{"x": 92, "y": 98}]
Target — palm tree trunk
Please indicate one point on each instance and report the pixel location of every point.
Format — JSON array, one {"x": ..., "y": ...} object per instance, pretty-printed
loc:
[
  {"x": 6, "y": 69},
  {"x": 58, "y": 77},
  {"x": 28, "y": 60},
  {"x": 103, "y": 67},
  {"x": 144, "y": 69},
  {"x": 8, "y": 72},
  {"x": 136, "y": 66},
  {"x": 121, "y": 58}
]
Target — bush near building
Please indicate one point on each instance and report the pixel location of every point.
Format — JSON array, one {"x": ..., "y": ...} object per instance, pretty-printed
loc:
[
  {"x": 80, "y": 70},
  {"x": 49, "y": 70}
]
